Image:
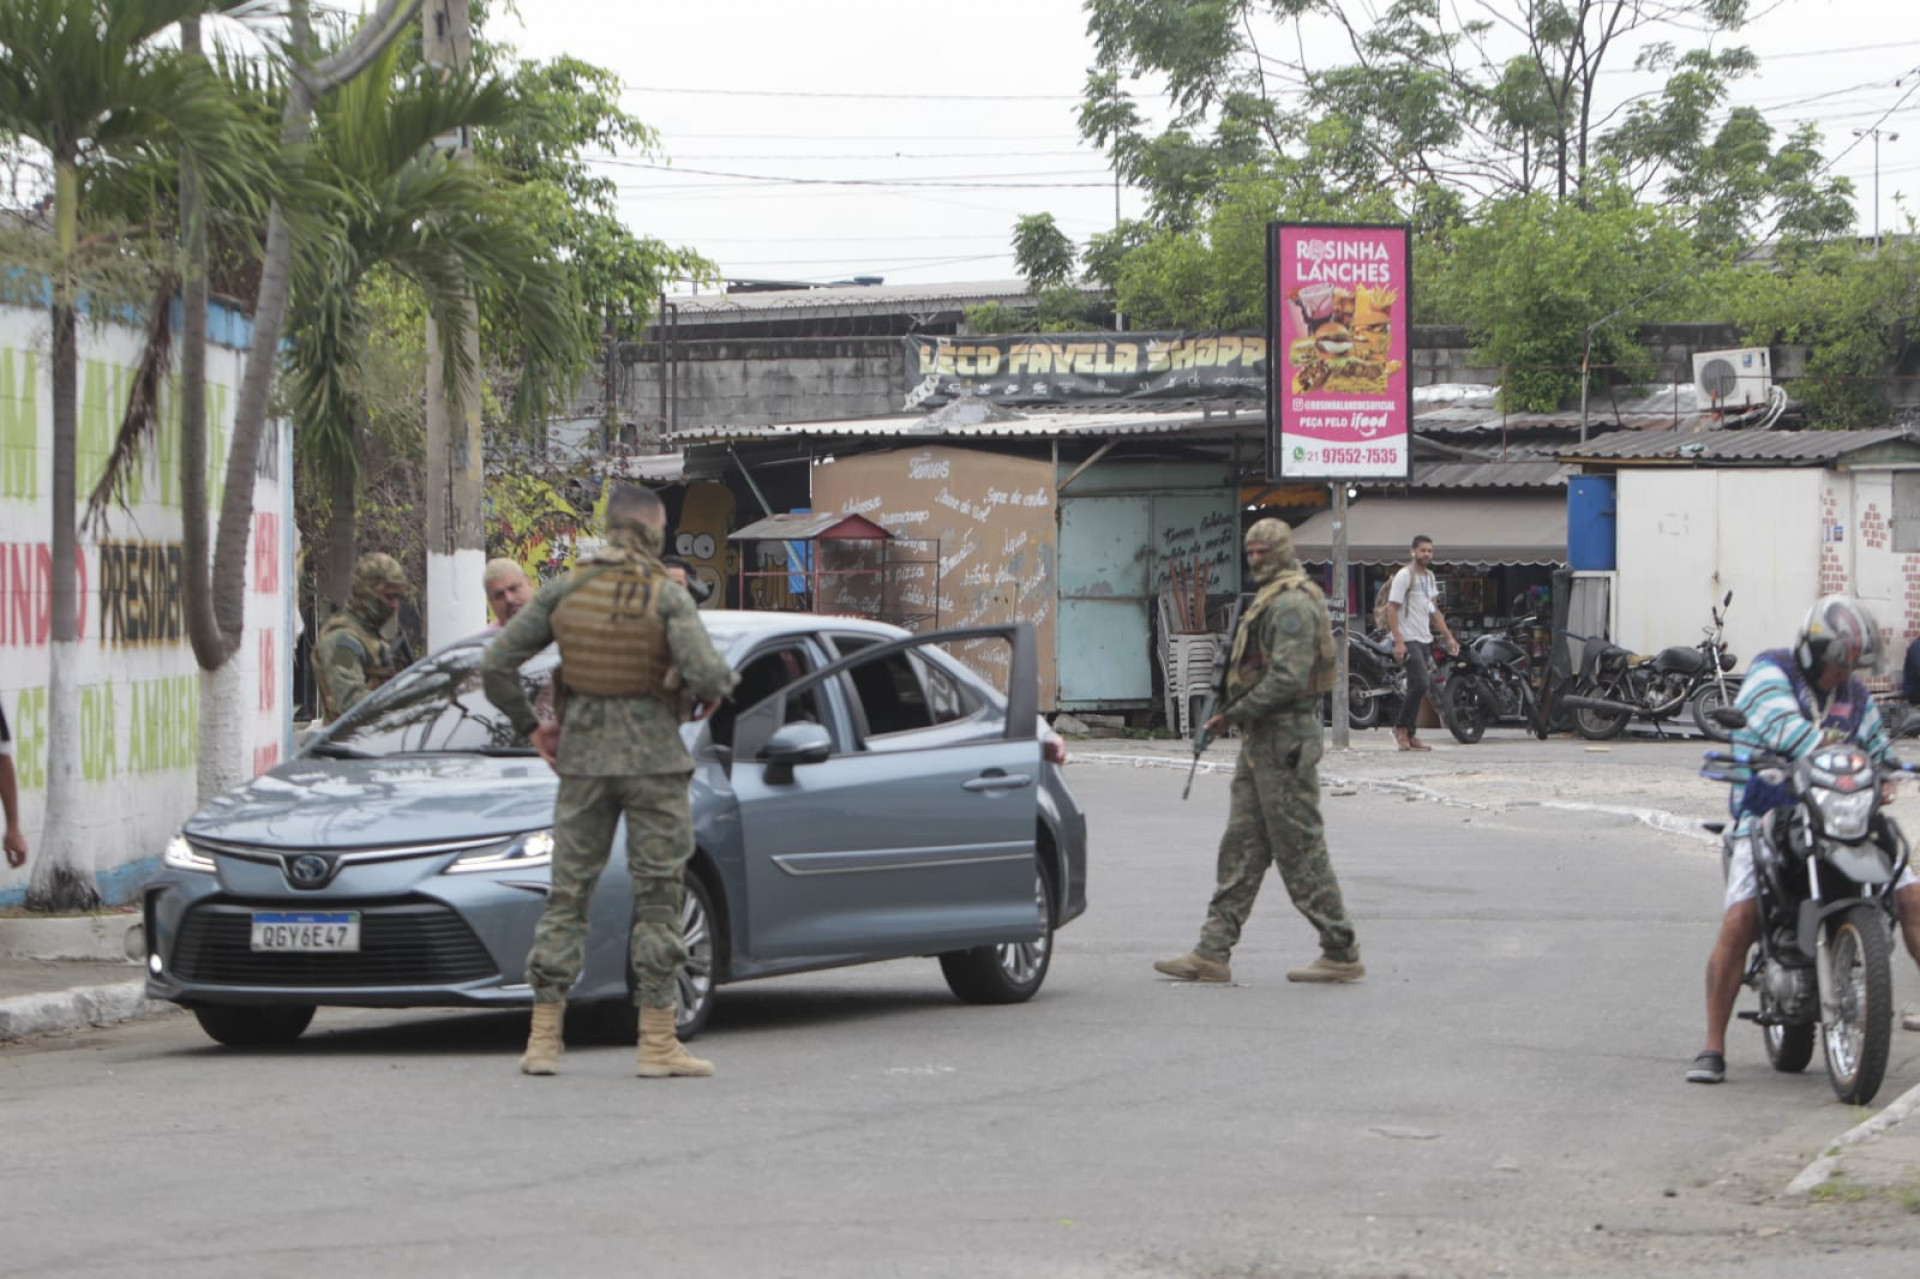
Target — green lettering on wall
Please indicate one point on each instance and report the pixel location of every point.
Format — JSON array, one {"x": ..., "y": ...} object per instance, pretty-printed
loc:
[
  {"x": 19, "y": 425},
  {"x": 167, "y": 442},
  {"x": 97, "y": 733},
  {"x": 30, "y": 743},
  {"x": 95, "y": 434}
]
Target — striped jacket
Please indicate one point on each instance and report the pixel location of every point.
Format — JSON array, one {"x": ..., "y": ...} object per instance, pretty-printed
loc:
[{"x": 1781, "y": 707}]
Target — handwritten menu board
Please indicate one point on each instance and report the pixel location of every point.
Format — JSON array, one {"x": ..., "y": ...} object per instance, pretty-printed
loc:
[{"x": 975, "y": 544}]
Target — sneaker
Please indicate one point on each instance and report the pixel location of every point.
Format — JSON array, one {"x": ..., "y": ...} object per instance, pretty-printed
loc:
[
  {"x": 1329, "y": 970},
  {"x": 1708, "y": 1068},
  {"x": 1193, "y": 966},
  {"x": 1910, "y": 1019}
]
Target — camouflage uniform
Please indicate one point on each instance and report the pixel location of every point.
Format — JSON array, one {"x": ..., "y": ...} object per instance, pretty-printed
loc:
[
  {"x": 1282, "y": 661},
  {"x": 352, "y": 656},
  {"x": 618, "y": 756}
]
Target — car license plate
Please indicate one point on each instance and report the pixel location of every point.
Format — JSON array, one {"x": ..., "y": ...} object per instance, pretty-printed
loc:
[{"x": 307, "y": 931}]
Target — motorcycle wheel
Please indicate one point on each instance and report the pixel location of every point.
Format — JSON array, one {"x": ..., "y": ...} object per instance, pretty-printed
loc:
[
  {"x": 1598, "y": 726},
  {"x": 1470, "y": 707},
  {"x": 1789, "y": 1048},
  {"x": 1362, "y": 711},
  {"x": 1708, "y": 699},
  {"x": 1857, "y": 1043}
]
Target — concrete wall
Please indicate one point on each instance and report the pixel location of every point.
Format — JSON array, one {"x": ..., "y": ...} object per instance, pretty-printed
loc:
[
  {"x": 1688, "y": 537},
  {"x": 765, "y": 381},
  {"x": 1778, "y": 539},
  {"x": 140, "y": 688},
  {"x": 759, "y": 382}
]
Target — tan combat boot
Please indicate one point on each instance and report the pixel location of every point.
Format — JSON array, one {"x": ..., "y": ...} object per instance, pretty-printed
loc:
[
  {"x": 543, "y": 1040},
  {"x": 661, "y": 1056},
  {"x": 1193, "y": 966},
  {"x": 1326, "y": 970}
]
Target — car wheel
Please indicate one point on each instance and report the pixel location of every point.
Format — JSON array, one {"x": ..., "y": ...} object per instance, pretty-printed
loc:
[
  {"x": 693, "y": 985},
  {"x": 244, "y": 1027},
  {"x": 1010, "y": 973}
]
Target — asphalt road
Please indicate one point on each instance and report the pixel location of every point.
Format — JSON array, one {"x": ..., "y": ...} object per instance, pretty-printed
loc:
[{"x": 1501, "y": 1096}]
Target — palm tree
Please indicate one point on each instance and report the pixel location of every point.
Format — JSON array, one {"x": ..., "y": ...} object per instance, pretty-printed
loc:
[
  {"x": 406, "y": 207},
  {"x": 90, "y": 83}
]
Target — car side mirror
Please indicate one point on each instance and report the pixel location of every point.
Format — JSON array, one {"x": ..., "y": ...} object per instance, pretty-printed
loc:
[{"x": 793, "y": 744}]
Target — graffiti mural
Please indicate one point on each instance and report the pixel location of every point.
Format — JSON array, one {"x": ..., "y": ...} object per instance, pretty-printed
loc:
[{"x": 139, "y": 685}]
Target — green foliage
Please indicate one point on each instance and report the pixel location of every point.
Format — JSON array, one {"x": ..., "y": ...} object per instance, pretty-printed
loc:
[
  {"x": 570, "y": 108},
  {"x": 1852, "y": 306},
  {"x": 1531, "y": 274},
  {"x": 997, "y": 317},
  {"x": 1042, "y": 253}
]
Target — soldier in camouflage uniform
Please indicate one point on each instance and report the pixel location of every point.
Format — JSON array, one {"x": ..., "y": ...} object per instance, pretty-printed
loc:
[
  {"x": 632, "y": 650},
  {"x": 1282, "y": 661},
  {"x": 353, "y": 657}
]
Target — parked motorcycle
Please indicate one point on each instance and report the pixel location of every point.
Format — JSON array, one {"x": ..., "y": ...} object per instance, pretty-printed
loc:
[
  {"x": 1376, "y": 684},
  {"x": 1615, "y": 686},
  {"x": 1825, "y": 865},
  {"x": 1492, "y": 680}
]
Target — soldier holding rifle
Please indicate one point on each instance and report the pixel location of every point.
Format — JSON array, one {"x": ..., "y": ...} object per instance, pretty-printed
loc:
[{"x": 1282, "y": 661}]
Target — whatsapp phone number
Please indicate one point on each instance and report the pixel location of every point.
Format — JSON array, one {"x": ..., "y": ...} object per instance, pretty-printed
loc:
[{"x": 1358, "y": 457}]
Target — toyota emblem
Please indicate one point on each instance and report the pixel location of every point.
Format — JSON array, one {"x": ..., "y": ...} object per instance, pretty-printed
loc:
[{"x": 309, "y": 870}]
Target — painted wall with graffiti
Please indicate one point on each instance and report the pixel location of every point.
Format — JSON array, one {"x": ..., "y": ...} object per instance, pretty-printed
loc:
[{"x": 139, "y": 683}]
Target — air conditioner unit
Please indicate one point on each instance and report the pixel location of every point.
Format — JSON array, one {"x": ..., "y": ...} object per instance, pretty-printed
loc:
[{"x": 1732, "y": 381}]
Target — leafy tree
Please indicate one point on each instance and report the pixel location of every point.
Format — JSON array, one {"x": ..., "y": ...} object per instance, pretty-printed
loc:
[
  {"x": 95, "y": 85},
  {"x": 1854, "y": 308},
  {"x": 1420, "y": 95},
  {"x": 1042, "y": 253},
  {"x": 1532, "y": 275},
  {"x": 448, "y": 229}
]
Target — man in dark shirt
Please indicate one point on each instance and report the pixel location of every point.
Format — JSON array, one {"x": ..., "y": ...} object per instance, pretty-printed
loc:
[{"x": 16, "y": 839}]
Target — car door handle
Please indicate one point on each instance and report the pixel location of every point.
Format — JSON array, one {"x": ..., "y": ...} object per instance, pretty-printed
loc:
[{"x": 997, "y": 781}]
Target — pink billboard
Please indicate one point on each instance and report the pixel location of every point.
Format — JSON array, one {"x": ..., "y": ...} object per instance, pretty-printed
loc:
[{"x": 1339, "y": 393}]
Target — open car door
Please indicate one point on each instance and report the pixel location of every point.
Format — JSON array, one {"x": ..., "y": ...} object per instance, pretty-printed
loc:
[{"x": 909, "y": 831}]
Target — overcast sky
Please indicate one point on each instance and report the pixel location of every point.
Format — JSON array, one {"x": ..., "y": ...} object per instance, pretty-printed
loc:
[{"x": 976, "y": 103}]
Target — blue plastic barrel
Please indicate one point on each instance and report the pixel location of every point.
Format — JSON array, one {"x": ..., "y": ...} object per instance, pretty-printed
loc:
[{"x": 1590, "y": 522}]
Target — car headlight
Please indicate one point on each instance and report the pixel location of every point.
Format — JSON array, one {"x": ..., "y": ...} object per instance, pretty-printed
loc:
[
  {"x": 180, "y": 855},
  {"x": 1843, "y": 814},
  {"x": 524, "y": 853}
]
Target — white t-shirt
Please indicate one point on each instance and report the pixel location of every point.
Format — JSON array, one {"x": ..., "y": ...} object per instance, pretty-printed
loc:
[{"x": 1416, "y": 594}]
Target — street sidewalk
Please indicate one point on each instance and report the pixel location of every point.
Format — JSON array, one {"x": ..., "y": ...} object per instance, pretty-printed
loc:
[{"x": 64, "y": 975}]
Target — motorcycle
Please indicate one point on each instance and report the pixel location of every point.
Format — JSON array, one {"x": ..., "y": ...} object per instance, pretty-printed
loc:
[
  {"x": 1492, "y": 680},
  {"x": 1825, "y": 865},
  {"x": 1615, "y": 686},
  {"x": 1376, "y": 686}
]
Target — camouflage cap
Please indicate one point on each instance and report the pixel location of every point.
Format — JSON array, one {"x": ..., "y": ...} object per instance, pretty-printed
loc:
[
  {"x": 1272, "y": 532},
  {"x": 376, "y": 569}
]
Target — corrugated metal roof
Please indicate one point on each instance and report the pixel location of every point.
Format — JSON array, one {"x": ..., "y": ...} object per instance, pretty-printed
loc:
[
  {"x": 1804, "y": 447},
  {"x": 805, "y": 526},
  {"x": 1451, "y": 408},
  {"x": 1106, "y": 421},
  {"x": 721, "y": 308},
  {"x": 1522, "y": 473}
]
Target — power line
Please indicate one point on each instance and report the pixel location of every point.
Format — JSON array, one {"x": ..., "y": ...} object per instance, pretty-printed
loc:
[{"x": 886, "y": 97}]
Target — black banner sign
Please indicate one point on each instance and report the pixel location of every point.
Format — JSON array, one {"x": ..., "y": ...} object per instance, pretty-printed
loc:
[{"x": 1086, "y": 368}]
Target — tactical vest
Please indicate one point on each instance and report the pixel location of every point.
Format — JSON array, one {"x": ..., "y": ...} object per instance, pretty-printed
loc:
[
  {"x": 1320, "y": 680},
  {"x": 378, "y": 666},
  {"x": 612, "y": 641},
  {"x": 1254, "y": 658}
]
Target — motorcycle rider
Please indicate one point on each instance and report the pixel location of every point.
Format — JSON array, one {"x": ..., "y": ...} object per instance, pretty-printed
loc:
[{"x": 1795, "y": 700}]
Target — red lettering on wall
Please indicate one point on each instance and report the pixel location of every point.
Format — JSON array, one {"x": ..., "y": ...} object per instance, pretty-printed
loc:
[
  {"x": 26, "y": 593},
  {"x": 266, "y": 553},
  {"x": 265, "y": 757},
  {"x": 269, "y": 673}
]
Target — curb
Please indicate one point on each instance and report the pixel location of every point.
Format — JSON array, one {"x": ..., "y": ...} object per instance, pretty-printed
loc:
[
  {"x": 76, "y": 1009},
  {"x": 1657, "y": 818},
  {"x": 1817, "y": 1173},
  {"x": 109, "y": 936}
]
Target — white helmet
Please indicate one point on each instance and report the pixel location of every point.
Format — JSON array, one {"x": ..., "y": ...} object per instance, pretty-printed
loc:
[{"x": 1838, "y": 631}]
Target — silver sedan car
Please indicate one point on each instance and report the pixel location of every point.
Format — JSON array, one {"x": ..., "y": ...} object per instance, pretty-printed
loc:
[{"x": 864, "y": 795}]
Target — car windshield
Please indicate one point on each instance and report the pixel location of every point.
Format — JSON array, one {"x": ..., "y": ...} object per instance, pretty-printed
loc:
[{"x": 437, "y": 706}]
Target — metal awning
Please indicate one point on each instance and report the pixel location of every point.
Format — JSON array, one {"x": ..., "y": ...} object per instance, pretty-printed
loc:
[{"x": 1465, "y": 530}]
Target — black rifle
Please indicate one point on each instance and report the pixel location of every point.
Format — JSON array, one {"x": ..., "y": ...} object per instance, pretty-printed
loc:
[{"x": 1216, "y": 695}]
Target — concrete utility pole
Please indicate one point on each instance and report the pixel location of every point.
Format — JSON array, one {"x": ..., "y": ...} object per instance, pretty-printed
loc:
[
  {"x": 1337, "y": 607},
  {"x": 456, "y": 468}
]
